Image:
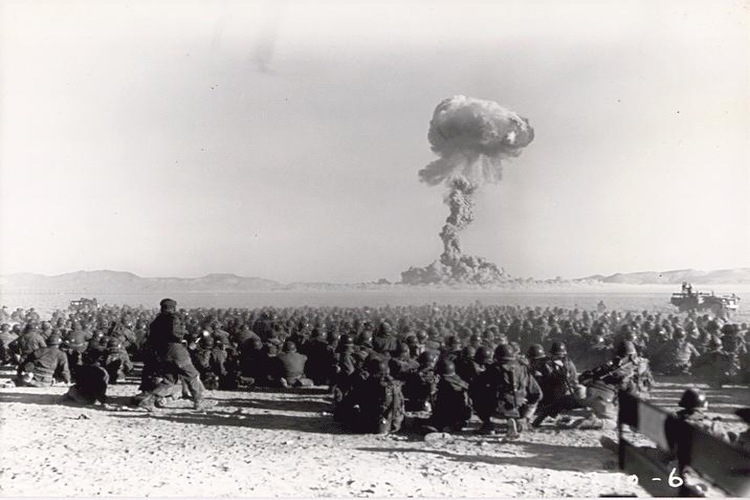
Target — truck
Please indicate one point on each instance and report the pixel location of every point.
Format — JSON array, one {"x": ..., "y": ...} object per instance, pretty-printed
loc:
[{"x": 689, "y": 300}]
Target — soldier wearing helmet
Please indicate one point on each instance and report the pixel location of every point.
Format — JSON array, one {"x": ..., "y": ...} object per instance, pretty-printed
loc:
[
  {"x": 45, "y": 365},
  {"x": 420, "y": 387},
  {"x": 375, "y": 405},
  {"x": 452, "y": 409},
  {"x": 116, "y": 360},
  {"x": 715, "y": 365},
  {"x": 694, "y": 403},
  {"x": 625, "y": 372},
  {"x": 169, "y": 359},
  {"x": 676, "y": 356},
  {"x": 505, "y": 390}
]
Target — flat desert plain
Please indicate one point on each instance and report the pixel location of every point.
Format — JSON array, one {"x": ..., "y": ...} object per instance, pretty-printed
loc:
[{"x": 285, "y": 444}]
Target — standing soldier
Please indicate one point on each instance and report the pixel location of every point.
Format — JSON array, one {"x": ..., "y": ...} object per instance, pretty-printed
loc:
[{"x": 171, "y": 358}]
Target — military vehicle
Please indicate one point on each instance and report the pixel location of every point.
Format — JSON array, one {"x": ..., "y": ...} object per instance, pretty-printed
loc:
[
  {"x": 689, "y": 300},
  {"x": 83, "y": 305}
]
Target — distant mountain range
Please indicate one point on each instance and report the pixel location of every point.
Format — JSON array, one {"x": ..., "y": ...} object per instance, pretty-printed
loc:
[
  {"x": 123, "y": 282},
  {"x": 721, "y": 276}
]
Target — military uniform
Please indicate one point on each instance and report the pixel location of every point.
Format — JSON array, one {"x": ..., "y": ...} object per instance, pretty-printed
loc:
[
  {"x": 675, "y": 357},
  {"x": 91, "y": 385},
  {"x": 291, "y": 368},
  {"x": 26, "y": 344},
  {"x": 45, "y": 365},
  {"x": 452, "y": 407},
  {"x": 505, "y": 390},
  {"x": 170, "y": 360},
  {"x": 374, "y": 405}
]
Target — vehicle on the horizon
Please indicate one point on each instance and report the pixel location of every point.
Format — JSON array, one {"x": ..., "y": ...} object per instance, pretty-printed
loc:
[
  {"x": 83, "y": 305},
  {"x": 689, "y": 300}
]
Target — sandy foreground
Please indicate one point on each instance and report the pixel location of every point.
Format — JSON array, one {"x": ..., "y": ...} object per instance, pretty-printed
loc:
[{"x": 274, "y": 444}]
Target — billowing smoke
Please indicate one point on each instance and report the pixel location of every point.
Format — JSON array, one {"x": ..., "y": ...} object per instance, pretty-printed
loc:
[{"x": 471, "y": 138}]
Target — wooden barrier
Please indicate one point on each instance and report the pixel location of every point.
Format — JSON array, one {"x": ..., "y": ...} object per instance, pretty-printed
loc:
[{"x": 716, "y": 461}]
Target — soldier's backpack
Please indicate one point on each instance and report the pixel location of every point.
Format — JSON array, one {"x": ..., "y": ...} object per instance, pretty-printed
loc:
[{"x": 507, "y": 392}]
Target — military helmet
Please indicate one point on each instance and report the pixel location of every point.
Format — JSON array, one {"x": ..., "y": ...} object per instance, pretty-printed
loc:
[
  {"x": 446, "y": 367},
  {"x": 625, "y": 348},
  {"x": 483, "y": 355},
  {"x": 376, "y": 366},
  {"x": 693, "y": 398},
  {"x": 535, "y": 351},
  {"x": 559, "y": 349},
  {"x": 427, "y": 358},
  {"x": 54, "y": 339},
  {"x": 113, "y": 344},
  {"x": 730, "y": 329},
  {"x": 678, "y": 333},
  {"x": 505, "y": 352}
]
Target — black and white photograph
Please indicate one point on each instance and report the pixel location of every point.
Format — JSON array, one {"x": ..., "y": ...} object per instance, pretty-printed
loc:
[{"x": 349, "y": 249}]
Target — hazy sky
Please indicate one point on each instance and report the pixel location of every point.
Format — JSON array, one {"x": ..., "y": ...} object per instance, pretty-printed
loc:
[{"x": 283, "y": 140}]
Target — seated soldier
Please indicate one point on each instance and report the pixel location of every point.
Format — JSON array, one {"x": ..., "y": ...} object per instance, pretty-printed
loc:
[
  {"x": 45, "y": 366},
  {"x": 627, "y": 372},
  {"x": 420, "y": 386},
  {"x": 209, "y": 361},
  {"x": 402, "y": 365},
  {"x": 714, "y": 365},
  {"x": 676, "y": 356},
  {"x": 558, "y": 379},
  {"x": 91, "y": 381},
  {"x": 291, "y": 367},
  {"x": 251, "y": 355},
  {"x": 452, "y": 409},
  {"x": 116, "y": 361},
  {"x": 505, "y": 390},
  {"x": 375, "y": 405}
]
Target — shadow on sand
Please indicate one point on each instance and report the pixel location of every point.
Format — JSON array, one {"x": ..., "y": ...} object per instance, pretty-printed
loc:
[
  {"x": 318, "y": 425},
  {"x": 57, "y": 399},
  {"x": 545, "y": 456},
  {"x": 299, "y": 405}
]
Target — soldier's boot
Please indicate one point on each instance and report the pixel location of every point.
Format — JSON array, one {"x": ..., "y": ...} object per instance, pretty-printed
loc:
[
  {"x": 537, "y": 422},
  {"x": 202, "y": 404},
  {"x": 592, "y": 422},
  {"x": 161, "y": 402},
  {"x": 147, "y": 402},
  {"x": 513, "y": 429}
]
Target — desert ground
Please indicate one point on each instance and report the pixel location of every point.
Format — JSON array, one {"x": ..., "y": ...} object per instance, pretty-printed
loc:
[{"x": 285, "y": 444}]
